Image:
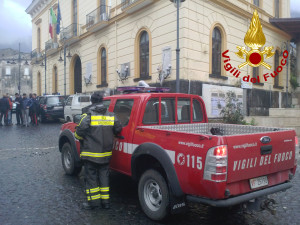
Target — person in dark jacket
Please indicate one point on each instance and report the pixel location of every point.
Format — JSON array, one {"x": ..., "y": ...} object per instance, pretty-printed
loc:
[
  {"x": 4, "y": 107},
  {"x": 95, "y": 132},
  {"x": 19, "y": 117},
  {"x": 26, "y": 102},
  {"x": 33, "y": 110}
]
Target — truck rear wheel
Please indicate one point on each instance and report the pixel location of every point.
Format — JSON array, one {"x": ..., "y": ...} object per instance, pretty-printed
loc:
[
  {"x": 154, "y": 195},
  {"x": 68, "y": 160}
]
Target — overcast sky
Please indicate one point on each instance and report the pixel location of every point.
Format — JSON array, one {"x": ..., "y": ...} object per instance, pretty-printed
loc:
[{"x": 15, "y": 23}]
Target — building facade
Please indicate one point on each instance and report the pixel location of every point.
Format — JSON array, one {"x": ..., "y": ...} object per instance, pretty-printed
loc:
[
  {"x": 15, "y": 75},
  {"x": 110, "y": 43}
]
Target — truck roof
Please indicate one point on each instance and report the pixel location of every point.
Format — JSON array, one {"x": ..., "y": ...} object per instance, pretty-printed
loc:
[{"x": 152, "y": 95}]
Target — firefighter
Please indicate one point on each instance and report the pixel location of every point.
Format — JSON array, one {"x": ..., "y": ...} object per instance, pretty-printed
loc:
[{"x": 96, "y": 131}]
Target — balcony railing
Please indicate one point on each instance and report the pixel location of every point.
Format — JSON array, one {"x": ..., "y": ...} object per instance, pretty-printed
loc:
[
  {"x": 35, "y": 55},
  {"x": 98, "y": 16},
  {"x": 134, "y": 5},
  {"x": 70, "y": 31},
  {"x": 51, "y": 45}
]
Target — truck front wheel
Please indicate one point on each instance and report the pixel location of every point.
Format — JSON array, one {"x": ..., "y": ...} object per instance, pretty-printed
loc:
[
  {"x": 154, "y": 195},
  {"x": 68, "y": 160}
]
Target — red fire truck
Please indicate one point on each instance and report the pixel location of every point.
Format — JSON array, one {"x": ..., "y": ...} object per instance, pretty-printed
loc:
[{"x": 176, "y": 156}]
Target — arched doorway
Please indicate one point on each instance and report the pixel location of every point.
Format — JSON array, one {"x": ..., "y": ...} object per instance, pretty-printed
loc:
[{"x": 75, "y": 75}]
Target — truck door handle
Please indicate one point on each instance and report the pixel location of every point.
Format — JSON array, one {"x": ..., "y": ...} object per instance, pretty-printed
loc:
[{"x": 267, "y": 149}]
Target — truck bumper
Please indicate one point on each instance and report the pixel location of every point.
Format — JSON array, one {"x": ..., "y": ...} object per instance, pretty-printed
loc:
[{"x": 239, "y": 199}]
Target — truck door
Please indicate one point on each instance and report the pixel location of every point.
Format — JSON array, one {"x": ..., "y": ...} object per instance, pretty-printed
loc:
[
  {"x": 122, "y": 150},
  {"x": 67, "y": 109}
]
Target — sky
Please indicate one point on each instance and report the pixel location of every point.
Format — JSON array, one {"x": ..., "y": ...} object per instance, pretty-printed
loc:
[{"x": 15, "y": 26}]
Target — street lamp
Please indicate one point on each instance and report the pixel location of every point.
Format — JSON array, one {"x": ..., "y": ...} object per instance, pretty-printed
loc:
[
  {"x": 19, "y": 62},
  {"x": 65, "y": 65},
  {"x": 177, "y": 4},
  {"x": 44, "y": 56},
  {"x": 286, "y": 46}
]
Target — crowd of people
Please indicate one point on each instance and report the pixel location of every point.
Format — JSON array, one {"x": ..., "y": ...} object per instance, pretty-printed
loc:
[{"x": 26, "y": 107}]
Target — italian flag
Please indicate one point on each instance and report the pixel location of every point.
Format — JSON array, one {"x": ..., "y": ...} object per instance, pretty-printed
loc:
[{"x": 52, "y": 22}]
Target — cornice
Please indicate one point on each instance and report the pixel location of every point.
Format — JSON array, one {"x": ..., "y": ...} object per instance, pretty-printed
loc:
[
  {"x": 236, "y": 9},
  {"x": 36, "y": 7}
]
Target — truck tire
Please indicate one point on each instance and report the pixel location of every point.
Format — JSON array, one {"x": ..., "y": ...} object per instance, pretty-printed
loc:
[
  {"x": 68, "y": 160},
  {"x": 154, "y": 195}
]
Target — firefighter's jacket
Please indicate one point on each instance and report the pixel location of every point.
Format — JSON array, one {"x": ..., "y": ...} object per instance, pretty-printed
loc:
[{"x": 95, "y": 132}]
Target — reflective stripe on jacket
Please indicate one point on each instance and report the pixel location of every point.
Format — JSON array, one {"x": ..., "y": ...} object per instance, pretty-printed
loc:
[{"x": 96, "y": 131}]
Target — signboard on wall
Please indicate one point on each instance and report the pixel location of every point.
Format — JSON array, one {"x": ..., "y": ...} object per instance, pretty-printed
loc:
[{"x": 88, "y": 73}]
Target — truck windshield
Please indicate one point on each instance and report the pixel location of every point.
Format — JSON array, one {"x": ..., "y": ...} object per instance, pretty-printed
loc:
[
  {"x": 55, "y": 100},
  {"x": 123, "y": 110}
]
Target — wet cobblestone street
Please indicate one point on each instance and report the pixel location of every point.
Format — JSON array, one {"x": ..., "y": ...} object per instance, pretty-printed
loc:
[{"x": 35, "y": 190}]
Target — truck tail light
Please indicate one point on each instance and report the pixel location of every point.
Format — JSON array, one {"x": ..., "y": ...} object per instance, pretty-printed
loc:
[
  {"x": 297, "y": 151},
  {"x": 216, "y": 164},
  {"x": 45, "y": 107}
]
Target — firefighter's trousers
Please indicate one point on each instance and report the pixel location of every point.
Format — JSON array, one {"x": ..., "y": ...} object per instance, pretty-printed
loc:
[{"x": 96, "y": 183}]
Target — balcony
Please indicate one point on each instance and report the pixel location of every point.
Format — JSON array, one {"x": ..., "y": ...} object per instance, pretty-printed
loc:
[
  {"x": 98, "y": 19},
  {"x": 51, "y": 46},
  {"x": 35, "y": 56},
  {"x": 130, "y": 6},
  {"x": 71, "y": 33}
]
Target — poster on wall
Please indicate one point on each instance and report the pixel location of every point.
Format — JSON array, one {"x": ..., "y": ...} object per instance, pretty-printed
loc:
[
  {"x": 88, "y": 74},
  {"x": 217, "y": 103}
]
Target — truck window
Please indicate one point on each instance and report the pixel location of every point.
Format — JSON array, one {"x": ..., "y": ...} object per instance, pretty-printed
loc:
[
  {"x": 183, "y": 110},
  {"x": 123, "y": 109},
  {"x": 69, "y": 101},
  {"x": 197, "y": 111},
  {"x": 106, "y": 103},
  {"x": 168, "y": 110},
  {"x": 151, "y": 112},
  {"x": 84, "y": 99}
]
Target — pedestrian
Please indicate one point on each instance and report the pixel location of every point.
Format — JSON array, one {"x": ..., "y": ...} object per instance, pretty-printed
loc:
[
  {"x": 25, "y": 110},
  {"x": 96, "y": 132},
  {"x": 34, "y": 109},
  {"x": 30, "y": 108},
  {"x": 19, "y": 117},
  {"x": 4, "y": 107},
  {"x": 9, "y": 112}
]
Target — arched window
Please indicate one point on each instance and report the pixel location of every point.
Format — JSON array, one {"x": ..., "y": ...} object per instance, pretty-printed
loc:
[
  {"x": 144, "y": 55},
  {"x": 75, "y": 13},
  {"x": 256, "y": 2},
  {"x": 39, "y": 84},
  {"x": 255, "y": 72},
  {"x": 216, "y": 51},
  {"x": 54, "y": 80},
  {"x": 103, "y": 66},
  {"x": 276, "y": 64},
  {"x": 277, "y": 8},
  {"x": 39, "y": 39}
]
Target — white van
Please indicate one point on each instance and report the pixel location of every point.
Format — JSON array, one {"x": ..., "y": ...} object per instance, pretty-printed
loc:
[{"x": 74, "y": 105}]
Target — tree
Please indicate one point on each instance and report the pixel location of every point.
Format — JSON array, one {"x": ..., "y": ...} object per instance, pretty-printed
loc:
[{"x": 232, "y": 112}]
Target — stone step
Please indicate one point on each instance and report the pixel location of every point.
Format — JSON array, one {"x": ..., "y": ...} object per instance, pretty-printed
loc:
[{"x": 283, "y": 112}]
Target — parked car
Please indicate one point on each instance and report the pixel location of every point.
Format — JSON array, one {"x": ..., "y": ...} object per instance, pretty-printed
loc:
[
  {"x": 14, "y": 107},
  {"x": 176, "y": 156},
  {"x": 74, "y": 105},
  {"x": 51, "y": 107}
]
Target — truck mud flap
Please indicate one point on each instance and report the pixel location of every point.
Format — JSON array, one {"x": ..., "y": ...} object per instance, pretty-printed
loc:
[{"x": 239, "y": 199}]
